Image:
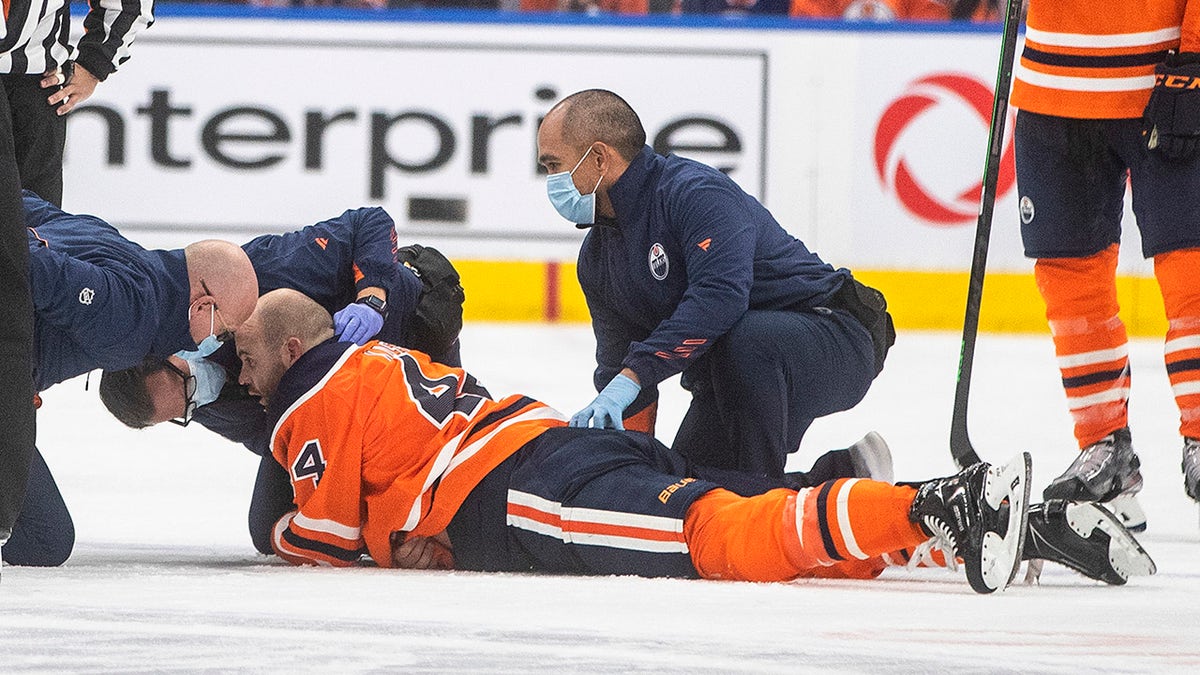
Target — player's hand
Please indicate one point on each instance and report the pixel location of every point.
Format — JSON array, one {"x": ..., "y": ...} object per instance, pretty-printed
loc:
[
  {"x": 357, "y": 323},
  {"x": 78, "y": 85},
  {"x": 607, "y": 409},
  {"x": 423, "y": 553},
  {"x": 1171, "y": 122}
]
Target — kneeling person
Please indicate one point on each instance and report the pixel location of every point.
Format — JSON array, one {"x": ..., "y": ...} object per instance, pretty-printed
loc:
[
  {"x": 353, "y": 267},
  {"x": 387, "y": 450}
]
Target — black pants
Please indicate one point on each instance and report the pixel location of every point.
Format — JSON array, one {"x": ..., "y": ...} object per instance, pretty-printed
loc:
[
  {"x": 17, "y": 427},
  {"x": 44, "y": 533},
  {"x": 39, "y": 134},
  {"x": 764, "y": 382}
]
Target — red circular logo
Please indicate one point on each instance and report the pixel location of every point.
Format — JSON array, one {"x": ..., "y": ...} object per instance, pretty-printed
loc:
[{"x": 893, "y": 165}]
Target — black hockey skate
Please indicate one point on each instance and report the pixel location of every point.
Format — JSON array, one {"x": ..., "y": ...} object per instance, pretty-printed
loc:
[
  {"x": 979, "y": 515},
  {"x": 1191, "y": 467},
  {"x": 1086, "y": 538},
  {"x": 1102, "y": 471}
]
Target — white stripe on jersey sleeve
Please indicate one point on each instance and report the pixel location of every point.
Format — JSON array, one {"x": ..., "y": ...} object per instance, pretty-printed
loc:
[
  {"x": 1095, "y": 84},
  {"x": 1114, "y": 40}
]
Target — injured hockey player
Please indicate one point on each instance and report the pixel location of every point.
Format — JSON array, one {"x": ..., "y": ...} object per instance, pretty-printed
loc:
[{"x": 410, "y": 463}]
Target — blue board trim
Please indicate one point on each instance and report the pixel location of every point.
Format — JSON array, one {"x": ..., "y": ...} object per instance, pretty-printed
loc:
[{"x": 486, "y": 17}]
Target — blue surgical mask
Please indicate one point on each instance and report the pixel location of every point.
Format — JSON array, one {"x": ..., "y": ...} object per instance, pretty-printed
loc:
[
  {"x": 210, "y": 377},
  {"x": 209, "y": 344},
  {"x": 566, "y": 198}
]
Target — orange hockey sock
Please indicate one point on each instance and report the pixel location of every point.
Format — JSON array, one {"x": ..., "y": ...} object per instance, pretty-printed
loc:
[
  {"x": 1089, "y": 340},
  {"x": 841, "y": 529},
  {"x": 1177, "y": 278},
  {"x": 742, "y": 538}
]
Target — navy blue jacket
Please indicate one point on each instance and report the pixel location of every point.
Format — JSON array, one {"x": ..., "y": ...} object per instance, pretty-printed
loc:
[
  {"x": 686, "y": 256},
  {"x": 334, "y": 259},
  {"x": 100, "y": 300},
  {"x": 329, "y": 262}
]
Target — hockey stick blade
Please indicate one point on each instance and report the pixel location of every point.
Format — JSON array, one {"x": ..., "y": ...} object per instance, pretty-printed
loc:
[{"x": 960, "y": 443}]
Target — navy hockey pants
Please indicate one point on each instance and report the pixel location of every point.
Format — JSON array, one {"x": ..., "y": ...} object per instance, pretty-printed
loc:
[
  {"x": 1071, "y": 174},
  {"x": 760, "y": 387},
  {"x": 582, "y": 501}
]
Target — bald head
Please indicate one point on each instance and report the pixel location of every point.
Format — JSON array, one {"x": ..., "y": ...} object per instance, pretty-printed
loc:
[
  {"x": 220, "y": 275},
  {"x": 285, "y": 313},
  {"x": 284, "y": 325},
  {"x": 598, "y": 115}
]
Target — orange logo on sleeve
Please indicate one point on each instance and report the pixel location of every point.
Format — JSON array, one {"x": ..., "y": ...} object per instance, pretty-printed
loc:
[
  {"x": 671, "y": 489},
  {"x": 704, "y": 244},
  {"x": 322, "y": 242},
  {"x": 1176, "y": 81}
]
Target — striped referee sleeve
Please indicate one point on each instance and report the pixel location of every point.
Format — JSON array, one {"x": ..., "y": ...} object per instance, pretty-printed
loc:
[
  {"x": 109, "y": 29},
  {"x": 44, "y": 42}
]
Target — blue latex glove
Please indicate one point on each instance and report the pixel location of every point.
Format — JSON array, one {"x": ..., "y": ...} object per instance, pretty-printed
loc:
[
  {"x": 357, "y": 323},
  {"x": 605, "y": 412}
]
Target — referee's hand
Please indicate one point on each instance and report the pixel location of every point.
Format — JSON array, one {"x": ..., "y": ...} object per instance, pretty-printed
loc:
[{"x": 75, "y": 83}]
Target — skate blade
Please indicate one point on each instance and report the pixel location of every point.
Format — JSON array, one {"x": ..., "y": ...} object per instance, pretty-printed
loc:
[
  {"x": 1001, "y": 558},
  {"x": 1125, "y": 555},
  {"x": 1033, "y": 572},
  {"x": 1126, "y": 508}
]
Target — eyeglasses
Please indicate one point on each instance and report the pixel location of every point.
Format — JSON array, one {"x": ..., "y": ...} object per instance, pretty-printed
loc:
[
  {"x": 189, "y": 395},
  {"x": 226, "y": 334}
]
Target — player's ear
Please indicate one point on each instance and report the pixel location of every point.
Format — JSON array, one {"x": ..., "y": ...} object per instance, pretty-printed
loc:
[
  {"x": 604, "y": 156},
  {"x": 294, "y": 348},
  {"x": 201, "y": 304}
]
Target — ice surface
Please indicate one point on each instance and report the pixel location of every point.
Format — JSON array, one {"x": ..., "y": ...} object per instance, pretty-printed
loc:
[{"x": 164, "y": 577}]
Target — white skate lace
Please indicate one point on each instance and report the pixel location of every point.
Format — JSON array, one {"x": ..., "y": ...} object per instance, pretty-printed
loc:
[{"x": 942, "y": 540}]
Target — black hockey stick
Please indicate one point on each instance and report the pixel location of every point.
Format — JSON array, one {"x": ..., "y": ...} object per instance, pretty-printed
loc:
[{"x": 960, "y": 444}]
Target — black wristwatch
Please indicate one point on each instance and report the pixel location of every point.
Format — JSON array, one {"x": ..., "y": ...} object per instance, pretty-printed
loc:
[{"x": 374, "y": 302}]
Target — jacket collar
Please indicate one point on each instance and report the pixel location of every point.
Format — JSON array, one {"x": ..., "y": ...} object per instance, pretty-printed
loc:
[
  {"x": 174, "y": 330},
  {"x": 626, "y": 192},
  {"x": 305, "y": 373}
]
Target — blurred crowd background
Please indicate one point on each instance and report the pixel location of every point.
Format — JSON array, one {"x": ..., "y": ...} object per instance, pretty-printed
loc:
[{"x": 855, "y": 10}]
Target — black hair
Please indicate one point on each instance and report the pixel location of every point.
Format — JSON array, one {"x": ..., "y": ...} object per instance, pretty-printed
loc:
[
  {"x": 126, "y": 396},
  {"x": 600, "y": 115}
]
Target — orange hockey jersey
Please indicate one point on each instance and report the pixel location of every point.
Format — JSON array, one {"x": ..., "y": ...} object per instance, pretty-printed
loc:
[
  {"x": 377, "y": 440},
  {"x": 1093, "y": 59}
]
